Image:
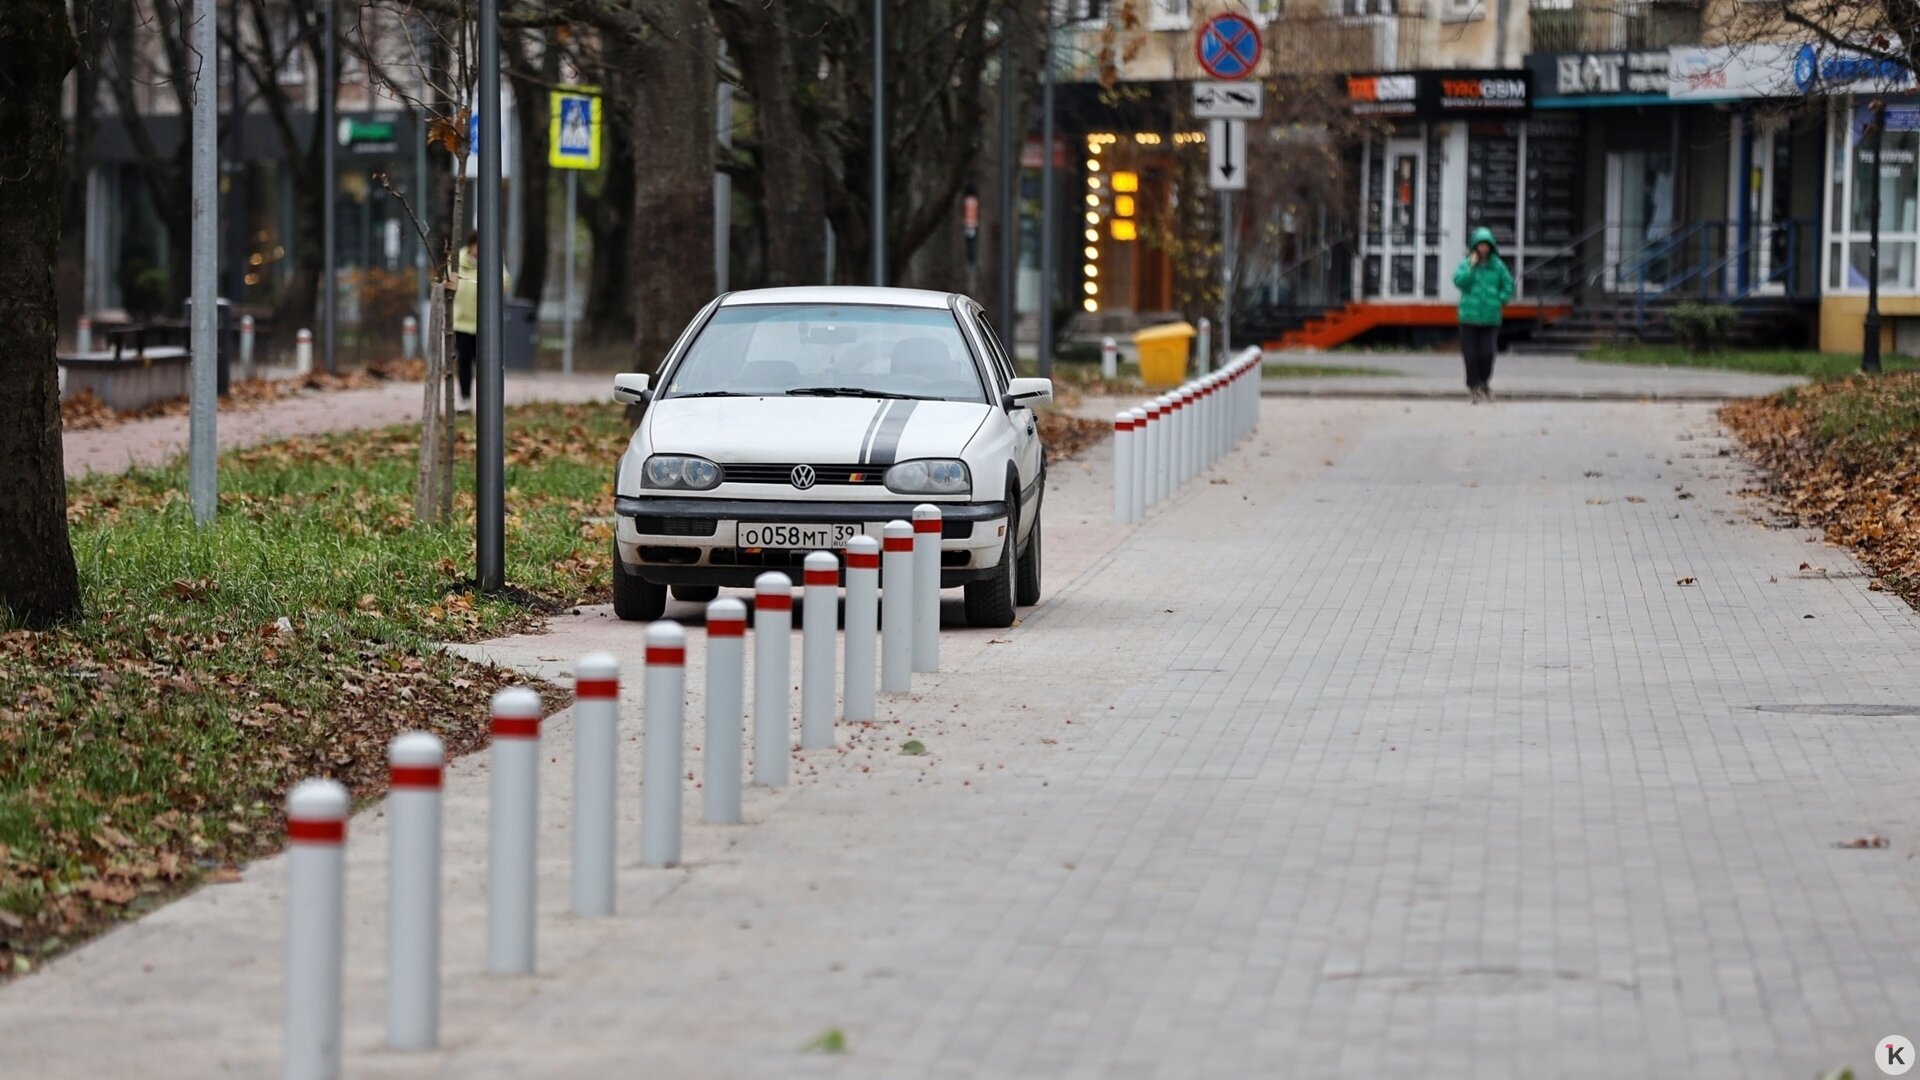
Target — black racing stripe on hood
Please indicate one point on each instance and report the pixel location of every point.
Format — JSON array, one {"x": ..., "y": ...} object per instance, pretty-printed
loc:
[
  {"x": 886, "y": 442},
  {"x": 866, "y": 441}
]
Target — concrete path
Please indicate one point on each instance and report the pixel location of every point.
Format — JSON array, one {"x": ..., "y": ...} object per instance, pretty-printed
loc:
[
  {"x": 157, "y": 440},
  {"x": 1518, "y": 376},
  {"x": 1422, "y": 739}
]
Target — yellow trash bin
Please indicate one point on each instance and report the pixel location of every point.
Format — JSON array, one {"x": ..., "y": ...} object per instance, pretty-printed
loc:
[{"x": 1163, "y": 353}]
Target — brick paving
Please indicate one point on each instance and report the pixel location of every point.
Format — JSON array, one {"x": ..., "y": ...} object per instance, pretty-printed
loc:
[
  {"x": 1395, "y": 749},
  {"x": 157, "y": 440}
]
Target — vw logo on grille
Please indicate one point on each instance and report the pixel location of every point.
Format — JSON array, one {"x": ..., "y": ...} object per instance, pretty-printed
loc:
[{"x": 803, "y": 476}]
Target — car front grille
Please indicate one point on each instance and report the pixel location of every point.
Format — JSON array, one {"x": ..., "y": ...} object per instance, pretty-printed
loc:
[
  {"x": 663, "y": 525},
  {"x": 837, "y": 475}
]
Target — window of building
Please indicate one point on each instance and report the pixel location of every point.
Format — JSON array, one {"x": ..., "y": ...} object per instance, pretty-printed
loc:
[
  {"x": 1371, "y": 7},
  {"x": 1855, "y": 174},
  {"x": 1264, "y": 11},
  {"x": 1079, "y": 11},
  {"x": 1170, "y": 14}
]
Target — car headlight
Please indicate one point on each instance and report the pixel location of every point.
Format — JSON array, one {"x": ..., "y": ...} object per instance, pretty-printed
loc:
[
  {"x": 932, "y": 476},
  {"x": 676, "y": 473}
]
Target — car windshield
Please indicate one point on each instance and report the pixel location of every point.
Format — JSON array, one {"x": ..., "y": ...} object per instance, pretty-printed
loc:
[{"x": 829, "y": 350}]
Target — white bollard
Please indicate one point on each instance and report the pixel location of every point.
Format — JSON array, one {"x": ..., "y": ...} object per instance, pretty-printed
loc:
[
  {"x": 83, "y": 335},
  {"x": 596, "y": 781},
  {"x": 303, "y": 352},
  {"x": 1137, "y": 498},
  {"x": 1163, "y": 449},
  {"x": 820, "y": 626},
  {"x": 414, "y": 762},
  {"x": 1150, "y": 446},
  {"x": 1183, "y": 434},
  {"x": 316, "y": 927},
  {"x": 927, "y": 531},
  {"x": 660, "y": 749},
  {"x": 1109, "y": 359},
  {"x": 246, "y": 343},
  {"x": 896, "y": 609},
  {"x": 409, "y": 337},
  {"x": 512, "y": 884},
  {"x": 772, "y": 664},
  {"x": 1123, "y": 468},
  {"x": 863, "y": 627},
  {"x": 1204, "y": 346},
  {"x": 726, "y": 685}
]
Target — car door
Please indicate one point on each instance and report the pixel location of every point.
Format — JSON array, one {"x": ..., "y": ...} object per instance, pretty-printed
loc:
[{"x": 1028, "y": 455}]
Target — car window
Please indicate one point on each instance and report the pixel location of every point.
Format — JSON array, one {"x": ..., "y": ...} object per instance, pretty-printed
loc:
[
  {"x": 771, "y": 349},
  {"x": 1002, "y": 363}
]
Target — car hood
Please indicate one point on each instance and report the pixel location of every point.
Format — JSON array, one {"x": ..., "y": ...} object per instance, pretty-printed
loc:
[{"x": 818, "y": 431}]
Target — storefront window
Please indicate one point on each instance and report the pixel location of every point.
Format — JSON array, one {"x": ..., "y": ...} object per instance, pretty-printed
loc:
[
  {"x": 1898, "y": 191},
  {"x": 1851, "y": 193}
]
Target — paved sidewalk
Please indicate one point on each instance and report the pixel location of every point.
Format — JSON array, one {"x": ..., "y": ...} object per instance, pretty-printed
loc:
[
  {"x": 1398, "y": 748},
  {"x": 1518, "y": 376},
  {"x": 155, "y": 441}
]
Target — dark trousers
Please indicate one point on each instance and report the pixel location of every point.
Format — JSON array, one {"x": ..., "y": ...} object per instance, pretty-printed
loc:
[
  {"x": 1477, "y": 346},
  {"x": 466, "y": 348}
]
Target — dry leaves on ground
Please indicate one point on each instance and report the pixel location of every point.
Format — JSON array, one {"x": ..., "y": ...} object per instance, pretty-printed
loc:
[{"x": 85, "y": 412}]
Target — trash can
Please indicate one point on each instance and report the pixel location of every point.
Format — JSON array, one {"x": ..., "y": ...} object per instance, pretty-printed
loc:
[
  {"x": 226, "y": 339},
  {"x": 522, "y": 338},
  {"x": 1163, "y": 353}
]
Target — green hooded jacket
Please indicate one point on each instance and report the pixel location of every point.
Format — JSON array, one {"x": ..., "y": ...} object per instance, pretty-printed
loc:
[{"x": 1485, "y": 288}]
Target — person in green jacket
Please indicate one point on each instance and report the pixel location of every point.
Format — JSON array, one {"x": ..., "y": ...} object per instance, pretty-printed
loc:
[
  {"x": 466, "y": 314},
  {"x": 1485, "y": 286}
]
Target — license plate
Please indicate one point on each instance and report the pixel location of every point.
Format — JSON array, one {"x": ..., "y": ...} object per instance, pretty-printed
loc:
[{"x": 810, "y": 537}]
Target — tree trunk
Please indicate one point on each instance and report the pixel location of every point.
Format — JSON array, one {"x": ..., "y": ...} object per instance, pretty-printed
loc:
[
  {"x": 530, "y": 89},
  {"x": 673, "y": 184},
  {"x": 38, "y": 582},
  {"x": 781, "y": 67},
  {"x": 607, "y": 212}
]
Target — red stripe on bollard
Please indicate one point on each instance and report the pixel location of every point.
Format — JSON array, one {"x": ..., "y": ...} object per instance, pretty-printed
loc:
[
  {"x": 304, "y": 831},
  {"x": 899, "y": 543},
  {"x": 857, "y": 560},
  {"x": 921, "y": 525},
  {"x": 419, "y": 777},
  {"x": 516, "y": 727},
  {"x": 726, "y": 628},
  {"x": 773, "y": 601},
  {"x": 1123, "y": 425},
  {"x": 821, "y": 577},
  {"x": 661, "y": 654},
  {"x": 597, "y": 688}
]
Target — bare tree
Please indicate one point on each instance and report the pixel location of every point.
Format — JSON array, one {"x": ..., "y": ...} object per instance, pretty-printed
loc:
[{"x": 38, "y": 582}]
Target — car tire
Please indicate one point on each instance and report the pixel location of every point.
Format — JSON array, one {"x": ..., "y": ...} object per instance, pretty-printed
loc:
[
  {"x": 635, "y": 599},
  {"x": 1026, "y": 591},
  {"x": 696, "y": 594},
  {"x": 990, "y": 602}
]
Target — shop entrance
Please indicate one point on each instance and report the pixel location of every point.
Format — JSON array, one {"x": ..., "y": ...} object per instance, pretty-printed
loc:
[
  {"x": 1400, "y": 191},
  {"x": 1640, "y": 207}
]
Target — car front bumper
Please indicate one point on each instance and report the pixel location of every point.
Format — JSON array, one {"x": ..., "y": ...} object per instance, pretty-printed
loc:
[{"x": 685, "y": 541}]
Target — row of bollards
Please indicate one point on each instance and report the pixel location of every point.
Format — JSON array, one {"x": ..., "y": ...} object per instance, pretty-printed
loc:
[
  {"x": 1164, "y": 443},
  {"x": 317, "y": 809}
]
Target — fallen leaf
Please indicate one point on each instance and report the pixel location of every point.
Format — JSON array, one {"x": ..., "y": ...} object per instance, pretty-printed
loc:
[
  {"x": 1684, "y": 581},
  {"x": 1860, "y": 842}
]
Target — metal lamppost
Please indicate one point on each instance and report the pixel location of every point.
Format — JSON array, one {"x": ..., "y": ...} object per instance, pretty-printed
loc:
[
  {"x": 489, "y": 488},
  {"x": 1009, "y": 226},
  {"x": 879, "y": 227},
  {"x": 1870, "y": 348},
  {"x": 1047, "y": 225}
]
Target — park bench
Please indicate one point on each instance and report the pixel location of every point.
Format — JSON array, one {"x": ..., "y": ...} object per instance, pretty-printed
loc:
[{"x": 141, "y": 366}]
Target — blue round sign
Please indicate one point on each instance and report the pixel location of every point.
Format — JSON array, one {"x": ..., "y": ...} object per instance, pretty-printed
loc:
[{"x": 1228, "y": 46}]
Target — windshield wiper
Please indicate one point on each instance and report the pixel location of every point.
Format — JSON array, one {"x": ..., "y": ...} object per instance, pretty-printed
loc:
[
  {"x": 706, "y": 393},
  {"x": 851, "y": 391}
]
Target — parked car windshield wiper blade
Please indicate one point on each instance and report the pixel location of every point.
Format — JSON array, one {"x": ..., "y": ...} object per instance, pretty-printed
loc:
[
  {"x": 708, "y": 393},
  {"x": 851, "y": 391}
]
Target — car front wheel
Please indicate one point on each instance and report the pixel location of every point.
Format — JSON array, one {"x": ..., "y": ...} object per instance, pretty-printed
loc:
[
  {"x": 1027, "y": 584},
  {"x": 990, "y": 602},
  {"x": 634, "y": 599}
]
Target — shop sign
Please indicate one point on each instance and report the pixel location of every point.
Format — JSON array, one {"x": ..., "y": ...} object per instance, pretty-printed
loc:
[
  {"x": 1722, "y": 73},
  {"x": 1600, "y": 74},
  {"x": 1834, "y": 71},
  {"x": 1436, "y": 94}
]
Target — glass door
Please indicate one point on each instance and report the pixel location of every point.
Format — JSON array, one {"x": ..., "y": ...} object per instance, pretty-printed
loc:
[
  {"x": 1639, "y": 218},
  {"x": 1405, "y": 212},
  {"x": 1769, "y": 206}
]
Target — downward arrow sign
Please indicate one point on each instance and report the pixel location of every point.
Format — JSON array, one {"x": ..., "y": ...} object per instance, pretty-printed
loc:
[{"x": 1227, "y": 168}]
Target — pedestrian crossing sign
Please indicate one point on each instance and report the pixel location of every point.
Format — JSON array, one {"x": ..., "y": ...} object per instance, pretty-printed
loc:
[{"x": 573, "y": 135}]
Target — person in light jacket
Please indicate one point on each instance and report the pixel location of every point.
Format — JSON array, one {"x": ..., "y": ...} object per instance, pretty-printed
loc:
[
  {"x": 466, "y": 313},
  {"x": 1485, "y": 286}
]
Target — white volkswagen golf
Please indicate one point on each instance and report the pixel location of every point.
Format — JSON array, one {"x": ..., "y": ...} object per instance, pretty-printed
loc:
[{"x": 788, "y": 421}]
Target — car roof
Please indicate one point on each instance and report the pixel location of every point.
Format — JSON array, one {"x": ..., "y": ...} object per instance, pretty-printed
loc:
[{"x": 840, "y": 294}]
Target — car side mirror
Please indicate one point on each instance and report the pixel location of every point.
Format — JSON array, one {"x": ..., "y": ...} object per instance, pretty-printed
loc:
[
  {"x": 632, "y": 389},
  {"x": 1027, "y": 393}
]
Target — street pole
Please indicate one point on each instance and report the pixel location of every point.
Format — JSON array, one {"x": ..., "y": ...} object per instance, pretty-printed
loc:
[
  {"x": 879, "y": 228},
  {"x": 1227, "y": 243},
  {"x": 203, "y": 411},
  {"x": 566, "y": 282},
  {"x": 1009, "y": 227},
  {"x": 1047, "y": 224},
  {"x": 723, "y": 191},
  {"x": 490, "y": 494},
  {"x": 1870, "y": 348},
  {"x": 330, "y": 187}
]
